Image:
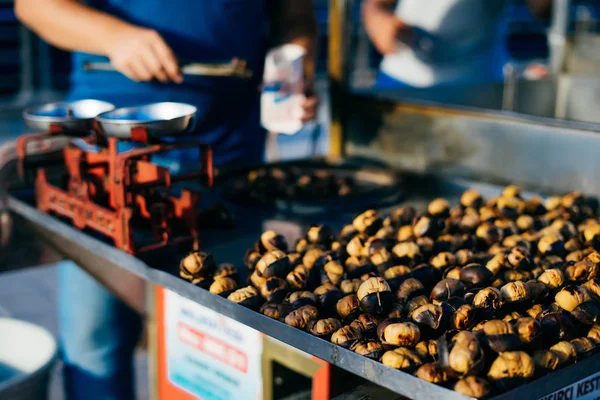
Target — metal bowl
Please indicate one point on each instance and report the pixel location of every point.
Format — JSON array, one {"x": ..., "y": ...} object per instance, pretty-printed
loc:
[
  {"x": 76, "y": 116},
  {"x": 160, "y": 119}
]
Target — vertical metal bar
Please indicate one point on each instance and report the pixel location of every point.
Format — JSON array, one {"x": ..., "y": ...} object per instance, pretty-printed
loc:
[
  {"x": 337, "y": 19},
  {"x": 26, "y": 39},
  {"x": 152, "y": 327},
  {"x": 557, "y": 35}
]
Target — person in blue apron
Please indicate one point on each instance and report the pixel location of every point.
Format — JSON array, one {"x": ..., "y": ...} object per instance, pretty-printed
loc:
[
  {"x": 439, "y": 43},
  {"x": 145, "y": 40}
]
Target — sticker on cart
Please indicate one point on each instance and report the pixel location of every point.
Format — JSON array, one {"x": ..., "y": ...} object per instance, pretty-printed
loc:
[
  {"x": 586, "y": 389},
  {"x": 211, "y": 356}
]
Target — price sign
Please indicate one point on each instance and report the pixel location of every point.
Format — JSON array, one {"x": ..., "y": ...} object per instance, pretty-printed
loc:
[
  {"x": 586, "y": 389},
  {"x": 210, "y": 356}
]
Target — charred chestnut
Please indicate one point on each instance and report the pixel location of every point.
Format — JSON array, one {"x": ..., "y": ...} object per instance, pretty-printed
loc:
[
  {"x": 447, "y": 288},
  {"x": 369, "y": 348},
  {"x": 320, "y": 235},
  {"x": 401, "y": 358},
  {"x": 557, "y": 326},
  {"x": 368, "y": 222},
  {"x": 439, "y": 208},
  {"x": 545, "y": 360},
  {"x": 270, "y": 241},
  {"x": 407, "y": 253},
  {"x": 298, "y": 277},
  {"x": 514, "y": 292},
  {"x": 356, "y": 267},
  {"x": 375, "y": 296},
  {"x": 565, "y": 352},
  {"x": 587, "y": 312},
  {"x": 464, "y": 317},
  {"x": 445, "y": 259},
  {"x": 274, "y": 289},
  {"x": 367, "y": 324},
  {"x": 510, "y": 207},
  {"x": 415, "y": 303},
  {"x": 311, "y": 257},
  {"x": 333, "y": 272},
  {"x": 402, "y": 216},
  {"x": 466, "y": 356},
  {"x": 328, "y": 296},
  {"x": 223, "y": 286},
  {"x": 500, "y": 336},
  {"x": 409, "y": 289},
  {"x": 251, "y": 258},
  {"x": 473, "y": 386},
  {"x": 571, "y": 296},
  {"x": 273, "y": 310},
  {"x": 398, "y": 332},
  {"x": 302, "y": 298},
  {"x": 527, "y": 329},
  {"x": 551, "y": 244},
  {"x": 349, "y": 286},
  {"x": 471, "y": 198},
  {"x": 346, "y": 336},
  {"x": 427, "y": 227},
  {"x": 247, "y": 297},
  {"x": 553, "y": 278},
  {"x": 583, "y": 346},
  {"x": 427, "y": 350},
  {"x": 496, "y": 263},
  {"x": 475, "y": 274},
  {"x": 396, "y": 275},
  {"x": 594, "y": 333},
  {"x": 512, "y": 364},
  {"x": 300, "y": 317},
  {"x": 323, "y": 328},
  {"x": 347, "y": 233},
  {"x": 273, "y": 264},
  {"x": 429, "y": 318},
  {"x": 348, "y": 308},
  {"x": 426, "y": 274},
  {"x": 226, "y": 270},
  {"x": 435, "y": 373},
  {"x": 197, "y": 266}
]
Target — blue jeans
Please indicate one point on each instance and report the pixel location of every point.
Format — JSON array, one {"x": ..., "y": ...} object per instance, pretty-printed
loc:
[{"x": 98, "y": 336}]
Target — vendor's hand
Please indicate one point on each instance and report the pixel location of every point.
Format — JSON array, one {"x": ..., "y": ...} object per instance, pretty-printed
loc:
[
  {"x": 385, "y": 30},
  {"x": 310, "y": 104},
  {"x": 142, "y": 55}
]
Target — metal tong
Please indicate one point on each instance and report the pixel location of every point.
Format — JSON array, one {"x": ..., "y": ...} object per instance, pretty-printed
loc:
[{"x": 235, "y": 68}]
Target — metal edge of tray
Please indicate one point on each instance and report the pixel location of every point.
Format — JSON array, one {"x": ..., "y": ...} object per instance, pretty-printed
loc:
[{"x": 71, "y": 242}]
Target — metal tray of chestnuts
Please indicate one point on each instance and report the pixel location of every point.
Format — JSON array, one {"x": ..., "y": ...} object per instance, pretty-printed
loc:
[
  {"x": 309, "y": 187},
  {"x": 488, "y": 299}
]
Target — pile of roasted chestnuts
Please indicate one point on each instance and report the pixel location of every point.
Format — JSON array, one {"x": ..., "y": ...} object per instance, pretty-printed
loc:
[
  {"x": 479, "y": 298},
  {"x": 290, "y": 182}
]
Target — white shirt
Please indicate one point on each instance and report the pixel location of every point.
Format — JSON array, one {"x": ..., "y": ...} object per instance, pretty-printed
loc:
[{"x": 462, "y": 43}]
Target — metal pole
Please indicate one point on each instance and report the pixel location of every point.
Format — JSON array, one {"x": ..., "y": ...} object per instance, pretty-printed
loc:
[
  {"x": 337, "y": 79},
  {"x": 557, "y": 35}
]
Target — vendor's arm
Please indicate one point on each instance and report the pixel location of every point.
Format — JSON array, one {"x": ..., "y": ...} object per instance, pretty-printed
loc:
[
  {"x": 137, "y": 52},
  {"x": 382, "y": 26},
  {"x": 294, "y": 22}
]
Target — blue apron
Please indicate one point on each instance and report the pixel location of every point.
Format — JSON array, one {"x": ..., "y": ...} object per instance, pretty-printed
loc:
[{"x": 197, "y": 31}]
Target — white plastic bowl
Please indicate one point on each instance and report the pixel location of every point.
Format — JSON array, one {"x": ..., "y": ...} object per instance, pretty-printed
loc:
[{"x": 27, "y": 354}]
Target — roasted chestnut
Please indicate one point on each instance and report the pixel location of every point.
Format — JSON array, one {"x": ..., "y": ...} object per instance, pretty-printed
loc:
[
  {"x": 500, "y": 336},
  {"x": 273, "y": 264},
  {"x": 197, "y": 266},
  {"x": 223, "y": 286},
  {"x": 367, "y": 324},
  {"x": 349, "y": 286},
  {"x": 565, "y": 352},
  {"x": 300, "y": 317},
  {"x": 513, "y": 275},
  {"x": 510, "y": 207},
  {"x": 321, "y": 235},
  {"x": 553, "y": 278},
  {"x": 375, "y": 296},
  {"x": 298, "y": 277},
  {"x": 348, "y": 308},
  {"x": 273, "y": 310},
  {"x": 398, "y": 332},
  {"x": 323, "y": 328},
  {"x": 333, "y": 272},
  {"x": 427, "y": 350},
  {"x": 401, "y": 358},
  {"x": 302, "y": 298},
  {"x": 594, "y": 333},
  {"x": 466, "y": 356},
  {"x": 270, "y": 241},
  {"x": 444, "y": 260},
  {"x": 471, "y": 198},
  {"x": 447, "y": 288},
  {"x": 583, "y": 346},
  {"x": 545, "y": 360},
  {"x": 496, "y": 263},
  {"x": 551, "y": 244},
  {"x": 587, "y": 312},
  {"x": 438, "y": 208},
  {"x": 426, "y": 226},
  {"x": 415, "y": 303},
  {"x": 356, "y": 267},
  {"x": 475, "y": 274},
  {"x": 255, "y": 280},
  {"x": 226, "y": 270},
  {"x": 368, "y": 222},
  {"x": 512, "y": 364},
  {"x": 426, "y": 274},
  {"x": 274, "y": 289},
  {"x": 396, "y": 275},
  {"x": 402, "y": 216},
  {"x": 514, "y": 292},
  {"x": 537, "y": 290},
  {"x": 429, "y": 318},
  {"x": 407, "y": 253},
  {"x": 405, "y": 234},
  {"x": 247, "y": 296},
  {"x": 557, "y": 326},
  {"x": 581, "y": 271},
  {"x": 435, "y": 373},
  {"x": 527, "y": 329},
  {"x": 369, "y": 348},
  {"x": 409, "y": 289},
  {"x": 311, "y": 256},
  {"x": 346, "y": 336},
  {"x": 464, "y": 317},
  {"x": 328, "y": 296},
  {"x": 473, "y": 386},
  {"x": 251, "y": 258},
  {"x": 347, "y": 233},
  {"x": 519, "y": 258},
  {"x": 571, "y": 296}
]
